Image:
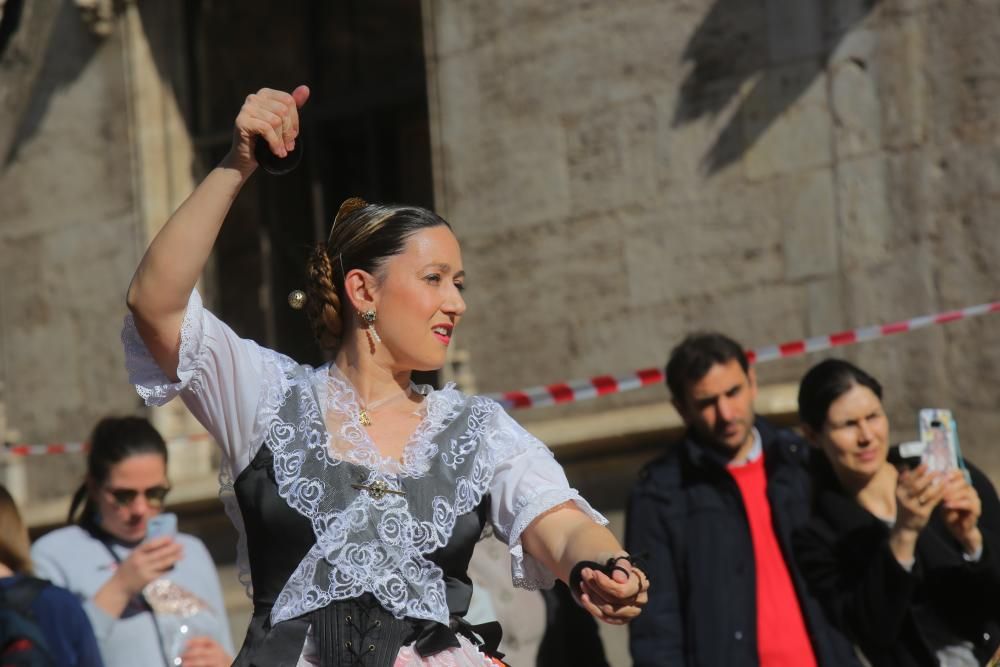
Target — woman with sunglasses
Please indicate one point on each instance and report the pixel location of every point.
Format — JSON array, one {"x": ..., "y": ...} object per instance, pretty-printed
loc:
[
  {"x": 150, "y": 601},
  {"x": 359, "y": 495}
]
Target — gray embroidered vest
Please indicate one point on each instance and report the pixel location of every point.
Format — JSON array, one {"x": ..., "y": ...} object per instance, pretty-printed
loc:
[{"x": 330, "y": 546}]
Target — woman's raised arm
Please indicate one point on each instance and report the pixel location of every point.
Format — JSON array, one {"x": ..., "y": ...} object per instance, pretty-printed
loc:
[{"x": 168, "y": 272}]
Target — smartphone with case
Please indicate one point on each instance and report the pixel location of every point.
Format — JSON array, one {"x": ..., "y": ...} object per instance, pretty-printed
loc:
[
  {"x": 939, "y": 433},
  {"x": 160, "y": 525}
]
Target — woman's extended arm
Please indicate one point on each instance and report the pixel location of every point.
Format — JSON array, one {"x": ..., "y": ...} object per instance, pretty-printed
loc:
[
  {"x": 565, "y": 536},
  {"x": 169, "y": 270}
]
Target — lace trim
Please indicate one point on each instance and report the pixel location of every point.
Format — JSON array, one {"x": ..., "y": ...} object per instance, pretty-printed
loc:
[
  {"x": 377, "y": 544},
  {"x": 151, "y": 383},
  {"x": 526, "y": 571},
  {"x": 352, "y": 441},
  {"x": 232, "y": 508}
]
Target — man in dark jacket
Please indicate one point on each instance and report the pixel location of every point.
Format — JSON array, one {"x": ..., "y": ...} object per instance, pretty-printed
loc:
[{"x": 714, "y": 516}]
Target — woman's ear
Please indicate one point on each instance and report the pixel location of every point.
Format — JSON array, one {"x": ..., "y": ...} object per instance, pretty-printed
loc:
[
  {"x": 361, "y": 289},
  {"x": 810, "y": 434}
]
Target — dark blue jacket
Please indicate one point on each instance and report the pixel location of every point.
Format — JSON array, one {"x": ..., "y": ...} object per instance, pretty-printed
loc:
[
  {"x": 68, "y": 633},
  {"x": 687, "y": 513}
]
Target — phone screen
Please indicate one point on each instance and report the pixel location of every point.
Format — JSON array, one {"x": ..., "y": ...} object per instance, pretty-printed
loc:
[{"x": 160, "y": 525}]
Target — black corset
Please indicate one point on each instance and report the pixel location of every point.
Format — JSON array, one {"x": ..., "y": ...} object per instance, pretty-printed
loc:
[{"x": 348, "y": 632}]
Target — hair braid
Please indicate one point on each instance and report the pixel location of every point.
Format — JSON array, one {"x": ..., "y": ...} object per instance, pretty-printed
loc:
[
  {"x": 363, "y": 237},
  {"x": 323, "y": 300}
]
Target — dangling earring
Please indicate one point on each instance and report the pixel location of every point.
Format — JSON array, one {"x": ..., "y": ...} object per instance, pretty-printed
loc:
[{"x": 369, "y": 317}]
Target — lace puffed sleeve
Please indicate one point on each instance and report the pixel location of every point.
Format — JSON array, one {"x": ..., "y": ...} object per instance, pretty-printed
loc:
[
  {"x": 527, "y": 482},
  {"x": 221, "y": 378}
]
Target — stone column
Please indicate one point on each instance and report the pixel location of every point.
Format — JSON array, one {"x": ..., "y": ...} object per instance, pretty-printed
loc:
[{"x": 163, "y": 158}]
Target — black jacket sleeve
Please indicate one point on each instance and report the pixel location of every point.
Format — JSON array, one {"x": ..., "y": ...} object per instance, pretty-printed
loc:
[
  {"x": 869, "y": 603},
  {"x": 656, "y": 636},
  {"x": 986, "y": 572}
]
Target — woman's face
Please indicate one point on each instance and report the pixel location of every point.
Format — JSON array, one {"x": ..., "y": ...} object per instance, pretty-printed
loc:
[
  {"x": 855, "y": 437},
  {"x": 131, "y": 495},
  {"x": 419, "y": 300}
]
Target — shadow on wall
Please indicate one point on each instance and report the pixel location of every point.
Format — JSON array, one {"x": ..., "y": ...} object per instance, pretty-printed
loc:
[
  {"x": 63, "y": 58},
  {"x": 776, "y": 47}
]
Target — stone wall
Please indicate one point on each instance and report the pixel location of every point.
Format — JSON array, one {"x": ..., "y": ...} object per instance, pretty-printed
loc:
[
  {"x": 68, "y": 243},
  {"x": 96, "y": 156},
  {"x": 623, "y": 173}
]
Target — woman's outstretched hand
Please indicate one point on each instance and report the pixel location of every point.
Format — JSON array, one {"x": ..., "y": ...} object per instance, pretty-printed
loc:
[
  {"x": 614, "y": 599},
  {"x": 268, "y": 115}
]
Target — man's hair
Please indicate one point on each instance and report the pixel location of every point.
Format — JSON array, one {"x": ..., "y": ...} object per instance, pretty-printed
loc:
[{"x": 691, "y": 360}]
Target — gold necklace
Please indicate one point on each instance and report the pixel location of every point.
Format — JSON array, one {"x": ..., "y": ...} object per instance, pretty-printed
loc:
[{"x": 364, "y": 416}]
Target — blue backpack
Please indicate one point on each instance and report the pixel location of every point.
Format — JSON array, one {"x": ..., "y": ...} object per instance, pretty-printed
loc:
[{"x": 22, "y": 642}]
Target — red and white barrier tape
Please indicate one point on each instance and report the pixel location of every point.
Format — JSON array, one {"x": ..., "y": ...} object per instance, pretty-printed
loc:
[
  {"x": 19, "y": 449},
  {"x": 37, "y": 450},
  {"x": 602, "y": 385}
]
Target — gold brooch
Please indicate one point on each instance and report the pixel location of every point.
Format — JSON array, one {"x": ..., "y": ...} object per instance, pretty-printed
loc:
[{"x": 377, "y": 489}]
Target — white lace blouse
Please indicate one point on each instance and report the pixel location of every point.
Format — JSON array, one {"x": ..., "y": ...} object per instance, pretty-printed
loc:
[{"x": 235, "y": 388}]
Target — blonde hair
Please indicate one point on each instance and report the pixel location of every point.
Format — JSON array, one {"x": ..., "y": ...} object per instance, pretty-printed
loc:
[
  {"x": 363, "y": 237},
  {"x": 15, "y": 547}
]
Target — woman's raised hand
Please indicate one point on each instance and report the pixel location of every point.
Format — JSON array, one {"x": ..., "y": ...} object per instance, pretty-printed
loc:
[
  {"x": 148, "y": 561},
  {"x": 962, "y": 508},
  {"x": 918, "y": 492},
  {"x": 268, "y": 115},
  {"x": 615, "y": 599}
]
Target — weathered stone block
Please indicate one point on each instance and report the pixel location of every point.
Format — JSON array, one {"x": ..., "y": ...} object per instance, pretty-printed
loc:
[
  {"x": 511, "y": 175},
  {"x": 753, "y": 314},
  {"x": 806, "y": 207},
  {"x": 62, "y": 320},
  {"x": 787, "y": 121},
  {"x": 865, "y": 215},
  {"x": 900, "y": 67},
  {"x": 737, "y": 245},
  {"x": 825, "y": 306},
  {"x": 854, "y": 96},
  {"x": 611, "y": 157}
]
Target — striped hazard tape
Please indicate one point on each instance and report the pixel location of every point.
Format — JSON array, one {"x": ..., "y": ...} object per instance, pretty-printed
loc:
[
  {"x": 604, "y": 385},
  {"x": 20, "y": 449}
]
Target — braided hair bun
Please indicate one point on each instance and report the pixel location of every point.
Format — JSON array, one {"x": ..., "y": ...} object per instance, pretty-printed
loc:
[{"x": 363, "y": 237}]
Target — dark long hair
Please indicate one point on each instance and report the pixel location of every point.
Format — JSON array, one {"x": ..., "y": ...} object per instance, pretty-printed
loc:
[
  {"x": 364, "y": 236},
  {"x": 15, "y": 548},
  {"x": 826, "y": 382},
  {"x": 114, "y": 439}
]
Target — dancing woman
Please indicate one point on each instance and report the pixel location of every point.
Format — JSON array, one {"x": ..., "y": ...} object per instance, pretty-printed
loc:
[{"x": 359, "y": 495}]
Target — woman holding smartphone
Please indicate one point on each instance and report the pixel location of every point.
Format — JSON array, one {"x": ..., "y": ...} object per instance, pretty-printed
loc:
[
  {"x": 905, "y": 561},
  {"x": 151, "y": 601}
]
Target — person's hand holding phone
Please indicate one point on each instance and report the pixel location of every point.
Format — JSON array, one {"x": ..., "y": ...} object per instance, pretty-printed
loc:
[
  {"x": 918, "y": 492},
  {"x": 157, "y": 554},
  {"x": 961, "y": 511}
]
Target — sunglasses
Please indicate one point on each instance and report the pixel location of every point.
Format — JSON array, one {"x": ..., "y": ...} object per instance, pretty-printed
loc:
[{"x": 155, "y": 495}]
